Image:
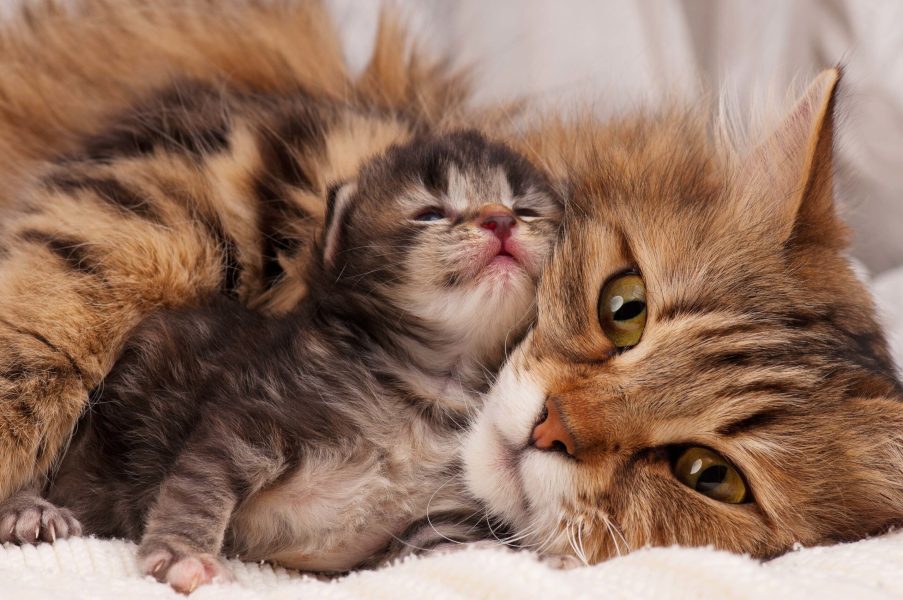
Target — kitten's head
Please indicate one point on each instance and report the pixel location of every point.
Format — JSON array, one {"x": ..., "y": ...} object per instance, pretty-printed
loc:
[
  {"x": 705, "y": 367},
  {"x": 445, "y": 237}
]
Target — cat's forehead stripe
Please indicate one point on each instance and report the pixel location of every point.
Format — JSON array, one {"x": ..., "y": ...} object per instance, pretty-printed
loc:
[{"x": 478, "y": 186}]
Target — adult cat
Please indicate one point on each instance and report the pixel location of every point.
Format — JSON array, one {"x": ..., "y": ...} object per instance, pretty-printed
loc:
[{"x": 706, "y": 368}]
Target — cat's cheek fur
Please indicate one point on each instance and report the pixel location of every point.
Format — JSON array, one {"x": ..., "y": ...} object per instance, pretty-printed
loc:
[{"x": 493, "y": 452}]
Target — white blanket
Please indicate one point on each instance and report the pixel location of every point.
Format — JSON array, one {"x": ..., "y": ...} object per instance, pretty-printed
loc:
[{"x": 91, "y": 568}]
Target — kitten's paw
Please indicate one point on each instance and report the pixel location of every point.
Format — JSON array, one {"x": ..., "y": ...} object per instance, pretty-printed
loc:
[
  {"x": 185, "y": 571},
  {"x": 29, "y": 519}
]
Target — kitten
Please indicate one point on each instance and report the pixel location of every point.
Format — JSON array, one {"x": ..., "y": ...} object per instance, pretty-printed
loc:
[
  {"x": 706, "y": 367},
  {"x": 187, "y": 154},
  {"x": 325, "y": 439}
]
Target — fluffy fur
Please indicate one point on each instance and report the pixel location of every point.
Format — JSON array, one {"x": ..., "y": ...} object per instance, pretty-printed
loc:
[{"x": 760, "y": 344}]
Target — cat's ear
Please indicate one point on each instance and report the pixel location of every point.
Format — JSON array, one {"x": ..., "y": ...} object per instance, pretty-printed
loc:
[
  {"x": 338, "y": 201},
  {"x": 789, "y": 175}
]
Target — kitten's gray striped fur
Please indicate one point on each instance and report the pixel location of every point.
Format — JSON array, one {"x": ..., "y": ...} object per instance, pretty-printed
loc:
[{"x": 327, "y": 439}]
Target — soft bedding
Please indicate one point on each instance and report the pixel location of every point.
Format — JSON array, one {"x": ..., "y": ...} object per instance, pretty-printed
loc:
[
  {"x": 92, "y": 568},
  {"x": 873, "y": 568}
]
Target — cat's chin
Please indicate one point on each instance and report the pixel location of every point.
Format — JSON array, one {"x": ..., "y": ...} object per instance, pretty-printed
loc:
[{"x": 501, "y": 468}]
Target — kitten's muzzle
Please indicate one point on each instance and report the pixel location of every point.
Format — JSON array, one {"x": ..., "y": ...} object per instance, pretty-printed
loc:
[
  {"x": 498, "y": 219},
  {"x": 551, "y": 433}
]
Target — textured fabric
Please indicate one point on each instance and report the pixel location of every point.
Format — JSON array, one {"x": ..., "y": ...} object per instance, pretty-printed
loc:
[{"x": 91, "y": 568}]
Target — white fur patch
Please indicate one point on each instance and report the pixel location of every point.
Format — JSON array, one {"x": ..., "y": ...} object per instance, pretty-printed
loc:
[
  {"x": 340, "y": 204},
  {"x": 500, "y": 466}
]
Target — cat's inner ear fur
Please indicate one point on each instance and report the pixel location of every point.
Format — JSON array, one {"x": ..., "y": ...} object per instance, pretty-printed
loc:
[
  {"x": 789, "y": 175},
  {"x": 338, "y": 202}
]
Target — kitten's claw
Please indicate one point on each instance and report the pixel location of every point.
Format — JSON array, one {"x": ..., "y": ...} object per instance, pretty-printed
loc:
[
  {"x": 29, "y": 519},
  {"x": 184, "y": 570}
]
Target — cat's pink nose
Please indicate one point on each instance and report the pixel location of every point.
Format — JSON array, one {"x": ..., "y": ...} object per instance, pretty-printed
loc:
[
  {"x": 498, "y": 219},
  {"x": 551, "y": 434}
]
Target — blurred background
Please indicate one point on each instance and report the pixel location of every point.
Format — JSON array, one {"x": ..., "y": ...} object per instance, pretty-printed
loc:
[{"x": 618, "y": 54}]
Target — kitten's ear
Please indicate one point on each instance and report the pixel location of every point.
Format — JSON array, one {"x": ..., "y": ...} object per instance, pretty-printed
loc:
[
  {"x": 338, "y": 200},
  {"x": 789, "y": 175}
]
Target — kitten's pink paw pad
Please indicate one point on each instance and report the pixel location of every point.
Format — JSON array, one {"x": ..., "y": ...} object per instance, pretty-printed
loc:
[
  {"x": 185, "y": 574},
  {"x": 30, "y": 520}
]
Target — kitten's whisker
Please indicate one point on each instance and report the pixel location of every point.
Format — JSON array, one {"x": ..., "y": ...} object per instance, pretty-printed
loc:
[
  {"x": 429, "y": 519},
  {"x": 611, "y": 534},
  {"x": 509, "y": 540},
  {"x": 620, "y": 533},
  {"x": 582, "y": 555}
]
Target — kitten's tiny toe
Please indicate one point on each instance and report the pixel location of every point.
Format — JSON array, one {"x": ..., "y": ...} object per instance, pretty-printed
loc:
[
  {"x": 58, "y": 524},
  {"x": 185, "y": 573},
  {"x": 155, "y": 562},
  {"x": 28, "y": 526},
  {"x": 7, "y": 528}
]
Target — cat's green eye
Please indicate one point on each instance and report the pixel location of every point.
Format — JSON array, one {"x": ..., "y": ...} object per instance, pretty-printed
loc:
[
  {"x": 622, "y": 310},
  {"x": 710, "y": 474}
]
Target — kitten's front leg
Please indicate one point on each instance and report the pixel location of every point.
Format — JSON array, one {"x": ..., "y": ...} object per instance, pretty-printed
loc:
[
  {"x": 26, "y": 518},
  {"x": 185, "y": 528}
]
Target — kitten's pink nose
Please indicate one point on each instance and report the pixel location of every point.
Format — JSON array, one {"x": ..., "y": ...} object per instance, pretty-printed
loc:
[
  {"x": 498, "y": 219},
  {"x": 551, "y": 434}
]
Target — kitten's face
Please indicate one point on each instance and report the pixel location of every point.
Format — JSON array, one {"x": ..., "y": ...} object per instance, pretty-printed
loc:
[
  {"x": 453, "y": 230},
  {"x": 705, "y": 367}
]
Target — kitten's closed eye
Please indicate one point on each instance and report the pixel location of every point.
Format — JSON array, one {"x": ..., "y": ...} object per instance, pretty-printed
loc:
[
  {"x": 526, "y": 213},
  {"x": 430, "y": 214}
]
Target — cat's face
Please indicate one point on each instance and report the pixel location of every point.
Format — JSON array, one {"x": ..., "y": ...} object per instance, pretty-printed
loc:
[
  {"x": 452, "y": 230},
  {"x": 705, "y": 368}
]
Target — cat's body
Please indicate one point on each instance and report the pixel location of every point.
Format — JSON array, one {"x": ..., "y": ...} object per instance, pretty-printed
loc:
[{"x": 328, "y": 438}]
